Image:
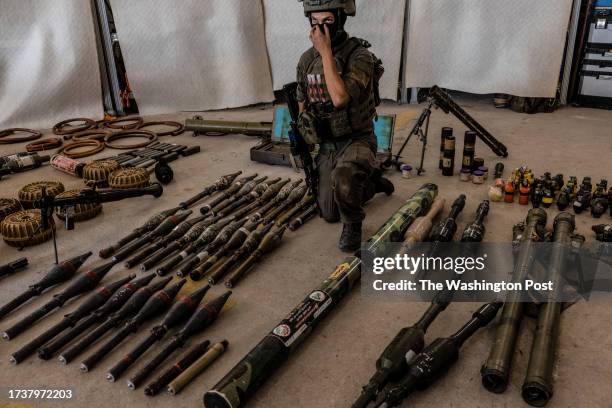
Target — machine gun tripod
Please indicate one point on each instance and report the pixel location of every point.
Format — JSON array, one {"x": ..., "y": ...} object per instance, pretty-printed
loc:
[
  {"x": 440, "y": 99},
  {"x": 47, "y": 204}
]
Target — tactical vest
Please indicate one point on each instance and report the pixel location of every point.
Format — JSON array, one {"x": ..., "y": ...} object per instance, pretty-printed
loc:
[{"x": 357, "y": 116}]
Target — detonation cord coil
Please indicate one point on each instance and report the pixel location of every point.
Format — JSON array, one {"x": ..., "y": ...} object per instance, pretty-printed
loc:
[
  {"x": 123, "y": 123},
  {"x": 71, "y": 126},
  {"x": 124, "y": 134},
  {"x": 68, "y": 150},
  {"x": 5, "y": 139},
  {"x": 179, "y": 127},
  {"x": 44, "y": 144}
]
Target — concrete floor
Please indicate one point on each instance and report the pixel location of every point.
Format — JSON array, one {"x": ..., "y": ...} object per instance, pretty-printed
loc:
[{"x": 332, "y": 365}]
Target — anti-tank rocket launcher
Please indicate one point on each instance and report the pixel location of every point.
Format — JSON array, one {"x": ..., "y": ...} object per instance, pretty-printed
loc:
[
  {"x": 191, "y": 235},
  {"x": 178, "y": 231},
  {"x": 178, "y": 313},
  {"x": 156, "y": 305},
  {"x": 88, "y": 306},
  {"x": 83, "y": 283},
  {"x": 242, "y": 382},
  {"x": 119, "y": 298},
  {"x": 537, "y": 387},
  {"x": 436, "y": 359},
  {"x": 233, "y": 189},
  {"x": 148, "y": 226},
  {"x": 496, "y": 370},
  {"x": 409, "y": 341},
  {"x": 59, "y": 273},
  {"x": 129, "y": 309},
  {"x": 221, "y": 239},
  {"x": 161, "y": 230},
  {"x": 222, "y": 184},
  {"x": 203, "y": 317}
]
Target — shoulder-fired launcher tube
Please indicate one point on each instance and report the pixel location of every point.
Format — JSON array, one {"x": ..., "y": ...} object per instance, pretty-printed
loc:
[
  {"x": 496, "y": 370},
  {"x": 537, "y": 387},
  {"x": 243, "y": 381}
]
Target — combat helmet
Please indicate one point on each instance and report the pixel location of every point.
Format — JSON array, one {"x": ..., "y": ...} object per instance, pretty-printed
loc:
[{"x": 347, "y": 6}]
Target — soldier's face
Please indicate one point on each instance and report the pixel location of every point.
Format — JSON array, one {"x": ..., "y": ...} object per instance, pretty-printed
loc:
[{"x": 322, "y": 17}]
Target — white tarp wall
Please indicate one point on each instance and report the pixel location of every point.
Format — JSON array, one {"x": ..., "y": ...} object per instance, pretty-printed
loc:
[
  {"x": 381, "y": 24},
  {"x": 48, "y": 63},
  {"x": 194, "y": 54},
  {"x": 486, "y": 46}
]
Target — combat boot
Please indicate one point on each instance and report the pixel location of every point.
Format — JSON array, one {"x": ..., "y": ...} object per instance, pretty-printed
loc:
[
  {"x": 384, "y": 185},
  {"x": 350, "y": 240}
]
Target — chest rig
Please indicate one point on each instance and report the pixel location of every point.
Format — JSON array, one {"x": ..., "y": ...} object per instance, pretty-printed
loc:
[{"x": 324, "y": 122}]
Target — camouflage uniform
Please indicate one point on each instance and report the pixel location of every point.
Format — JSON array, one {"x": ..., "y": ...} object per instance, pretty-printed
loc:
[{"x": 346, "y": 162}]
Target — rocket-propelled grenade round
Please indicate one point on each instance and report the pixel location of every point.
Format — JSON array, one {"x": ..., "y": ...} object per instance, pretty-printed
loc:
[
  {"x": 130, "y": 308},
  {"x": 59, "y": 273},
  {"x": 85, "y": 282},
  {"x": 180, "y": 311},
  {"x": 435, "y": 360},
  {"x": 148, "y": 226},
  {"x": 112, "y": 305},
  {"x": 88, "y": 306},
  {"x": 243, "y": 381}
]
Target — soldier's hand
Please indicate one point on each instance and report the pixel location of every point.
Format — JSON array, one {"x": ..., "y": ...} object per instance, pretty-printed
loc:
[{"x": 321, "y": 40}]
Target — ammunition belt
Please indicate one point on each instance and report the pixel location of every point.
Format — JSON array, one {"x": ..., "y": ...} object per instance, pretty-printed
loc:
[
  {"x": 44, "y": 144},
  {"x": 124, "y": 134},
  {"x": 179, "y": 127},
  {"x": 4, "y": 139},
  {"x": 123, "y": 123},
  {"x": 66, "y": 127}
]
